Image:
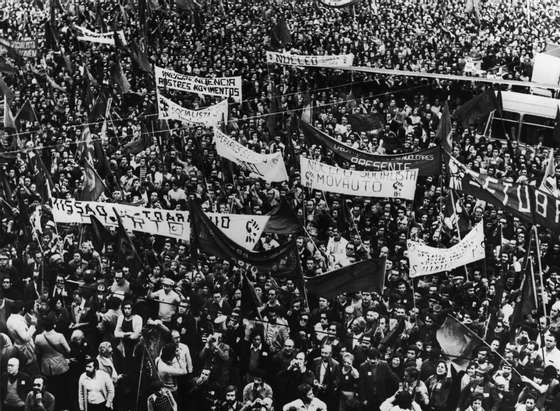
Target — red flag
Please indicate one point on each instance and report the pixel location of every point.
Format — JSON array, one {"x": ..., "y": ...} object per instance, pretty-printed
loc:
[
  {"x": 93, "y": 185},
  {"x": 443, "y": 133}
]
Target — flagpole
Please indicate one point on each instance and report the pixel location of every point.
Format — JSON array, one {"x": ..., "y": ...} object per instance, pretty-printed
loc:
[
  {"x": 539, "y": 262},
  {"x": 486, "y": 344},
  {"x": 458, "y": 230}
]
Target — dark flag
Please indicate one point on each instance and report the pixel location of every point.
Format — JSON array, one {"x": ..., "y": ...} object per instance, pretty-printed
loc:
[
  {"x": 100, "y": 236},
  {"x": 140, "y": 142},
  {"x": 392, "y": 336},
  {"x": 27, "y": 113},
  {"x": 443, "y": 132},
  {"x": 186, "y": 5},
  {"x": 282, "y": 220},
  {"x": 14, "y": 54},
  {"x": 43, "y": 179},
  {"x": 99, "y": 108},
  {"x": 51, "y": 40},
  {"x": 456, "y": 341},
  {"x": 475, "y": 111},
  {"x": 366, "y": 275},
  {"x": 365, "y": 122},
  {"x": 6, "y": 90},
  {"x": 281, "y": 33},
  {"x": 140, "y": 58},
  {"x": 5, "y": 189},
  {"x": 556, "y": 131},
  {"x": 104, "y": 166},
  {"x": 93, "y": 185},
  {"x": 125, "y": 247},
  {"x": 282, "y": 261},
  {"x": 525, "y": 303},
  {"x": 272, "y": 117},
  {"x": 5, "y": 67},
  {"x": 249, "y": 300}
]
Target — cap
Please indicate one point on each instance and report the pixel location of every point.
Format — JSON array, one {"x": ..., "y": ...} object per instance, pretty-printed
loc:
[{"x": 168, "y": 281}]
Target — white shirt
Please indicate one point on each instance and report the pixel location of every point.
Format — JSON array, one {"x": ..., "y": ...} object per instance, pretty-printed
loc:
[
  {"x": 19, "y": 330},
  {"x": 315, "y": 405}
]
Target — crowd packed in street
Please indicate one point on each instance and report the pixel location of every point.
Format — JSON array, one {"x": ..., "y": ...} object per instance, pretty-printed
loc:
[{"x": 94, "y": 318}]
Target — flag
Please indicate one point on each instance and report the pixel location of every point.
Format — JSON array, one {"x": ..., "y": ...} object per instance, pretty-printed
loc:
[
  {"x": 139, "y": 143},
  {"x": 548, "y": 183},
  {"x": 392, "y": 336},
  {"x": 27, "y": 113},
  {"x": 365, "y": 122},
  {"x": 13, "y": 54},
  {"x": 84, "y": 146},
  {"x": 127, "y": 251},
  {"x": 525, "y": 303},
  {"x": 282, "y": 220},
  {"x": 272, "y": 117},
  {"x": 282, "y": 261},
  {"x": 475, "y": 111},
  {"x": 100, "y": 236},
  {"x": 450, "y": 217},
  {"x": 119, "y": 78},
  {"x": 281, "y": 33},
  {"x": 99, "y": 108},
  {"x": 443, "y": 132},
  {"x": 249, "y": 299},
  {"x": 9, "y": 120},
  {"x": 141, "y": 16},
  {"x": 140, "y": 58},
  {"x": 6, "y": 90},
  {"x": 51, "y": 40},
  {"x": 186, "y": 5},
  {"x": 93, "y": 185},
  {"x": 99, "y": 21},
  {"x": 556, "y": 131},
  {"x": 5, "y": 188},
  {"x": 366, "y": 275},
  {"x": 456, "y": 341},
  {"x": 43, "y": 178}
]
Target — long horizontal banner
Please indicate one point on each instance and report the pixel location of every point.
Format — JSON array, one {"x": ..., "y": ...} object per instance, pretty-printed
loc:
[
  {"x": 102, "y": 38},
  {"x": 428, "y": 161},
  {"x": 269, "y": 167},
  {"x": 209, "y": 116},
  {"x": 218, "y": 86},
  {"x": 390, "y": 184},
  {"x": 309, "y": 61},
  {"x": 244, "y": 230},
  {"x": 425, "y": 260},
  {"x": 339, "y": 3},
  {"x": 26, "y": 47},
  {"x": 527, "y": 202}
]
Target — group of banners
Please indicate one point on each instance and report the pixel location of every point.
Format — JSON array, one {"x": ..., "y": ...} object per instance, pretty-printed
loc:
[
  {"x": 366, "y": 183},
  {"x": 101, "y": 38},
  {"x": 269, "y": 167},
  {"x": 218, "y": 86},
  {"x": 245, "y": 230},
  {"x": 209, "y": 117}
]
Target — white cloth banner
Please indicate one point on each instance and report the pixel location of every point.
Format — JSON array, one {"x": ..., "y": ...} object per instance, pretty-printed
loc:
[
  {"x": 425, "y": 260},
  {"x": 392, "y": 184},
  {"x": 218, "y": 86},
  {"x": 338, "y": 3},
  {"x": 102, "y": 38},
  {"x": 209, "y": 116},
  {"x": 309, "y": 61},
  {"x": 243, "y": 229},
  {"x": 269, "y": 167}
]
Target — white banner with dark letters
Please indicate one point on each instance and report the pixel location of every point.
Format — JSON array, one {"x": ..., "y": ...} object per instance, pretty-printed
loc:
[
  {"x": 269, "y": 167},
  {"x": 287, "y": 59},
  {"x": 244, "y": 229},
  {"x": 101, "y": 38},
  {"x": 391, "y": 184},
  {"x": 217, "y": 86},
  {"x": 425, "y": 260},
  {"x": 208, "y": 117}
]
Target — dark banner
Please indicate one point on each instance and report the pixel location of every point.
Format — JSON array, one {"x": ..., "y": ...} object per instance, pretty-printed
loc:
[
  {"x": 367, "y": 275},
  {"x": 279, "y": 261},
  {"x": 428, "y": 161},
  {"x": 524, "y": 201},
  {"x": 282, "y": 220}
]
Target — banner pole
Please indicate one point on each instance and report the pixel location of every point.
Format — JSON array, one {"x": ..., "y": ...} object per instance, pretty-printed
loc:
[
  {"x": 458, "y": 231},
  {"x": 539, "y": 262}
]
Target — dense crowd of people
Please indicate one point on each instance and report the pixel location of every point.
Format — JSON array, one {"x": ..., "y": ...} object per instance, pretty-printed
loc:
[{"x": 83, "y": 329}]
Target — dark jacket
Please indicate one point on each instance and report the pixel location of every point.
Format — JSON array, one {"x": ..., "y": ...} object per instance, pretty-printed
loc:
[{"x": 23, "y": 386}]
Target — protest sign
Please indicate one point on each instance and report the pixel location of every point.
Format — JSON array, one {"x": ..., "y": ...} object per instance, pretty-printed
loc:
[
  {"x": 217, "y": 86},
  {"x": 428, "y": 161},
  {"x": 309, "y": 61},
  {"x": 269, "y": 167},
  {"x": 391, "y": 184},
  {"x": 208, "y": 117},
  {"x": 101, "y": 38},
  {"x": 426, "y": 260},
  {"x": 243, "y": 229},
  {"x": 26, "y": 47}
]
